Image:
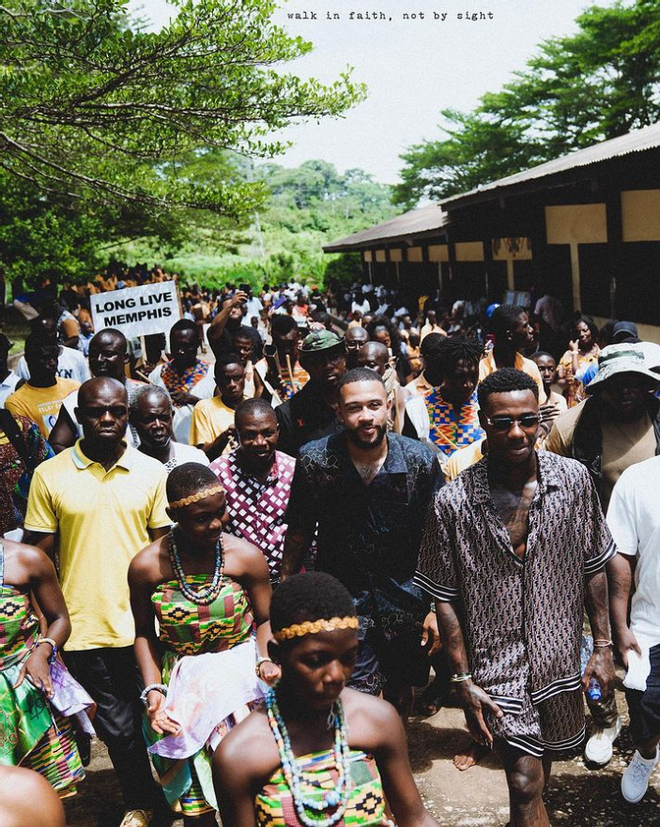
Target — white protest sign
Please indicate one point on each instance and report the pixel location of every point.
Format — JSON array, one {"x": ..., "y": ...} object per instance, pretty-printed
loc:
[{"x": 137, "y": 311}]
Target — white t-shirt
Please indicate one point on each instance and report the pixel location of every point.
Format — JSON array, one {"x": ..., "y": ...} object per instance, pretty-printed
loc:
[
  {"x": 186, "y": 453},
  {"x": 634, "y": 520},
  {"x": 71, "y": 364},
  {"x": 363, "y": 306}
]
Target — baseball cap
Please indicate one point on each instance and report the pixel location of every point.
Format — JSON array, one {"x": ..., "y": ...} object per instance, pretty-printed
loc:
[{"x": 623, "y": 330}]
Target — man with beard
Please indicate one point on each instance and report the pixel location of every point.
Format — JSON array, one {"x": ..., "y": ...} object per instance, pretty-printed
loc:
[
  {"x": 257, "y": 482},
  {"x": 311, "y": 412},
  {"x": 367, "y": 492}
]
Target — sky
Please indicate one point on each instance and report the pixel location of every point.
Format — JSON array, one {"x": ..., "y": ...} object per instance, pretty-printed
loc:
[{"x": 413, "y": 67}]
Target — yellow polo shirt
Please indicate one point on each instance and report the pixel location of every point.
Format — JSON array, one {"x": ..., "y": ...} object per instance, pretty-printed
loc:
[{"x": 102, "y": 519}]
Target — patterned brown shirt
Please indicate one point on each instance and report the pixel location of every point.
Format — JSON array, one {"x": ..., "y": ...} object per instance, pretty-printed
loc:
[{"x": 522, "y": 618}]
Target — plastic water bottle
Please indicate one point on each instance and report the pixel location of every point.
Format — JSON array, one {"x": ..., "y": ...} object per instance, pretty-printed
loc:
[{"x": 593, "y": 691}]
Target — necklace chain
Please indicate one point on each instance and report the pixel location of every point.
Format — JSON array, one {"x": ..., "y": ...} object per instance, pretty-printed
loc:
[
  {"x": 207, "y": 594},
  {"x": 336, "y": 799}
]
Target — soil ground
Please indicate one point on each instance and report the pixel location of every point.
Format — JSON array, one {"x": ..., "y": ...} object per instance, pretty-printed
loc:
[{"x": 576, "y": 797}]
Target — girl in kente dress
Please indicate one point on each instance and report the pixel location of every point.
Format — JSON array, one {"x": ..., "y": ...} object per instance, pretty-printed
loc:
[
  {"x": 37, "y": 694},
  {"x": 316, "y": 753},
  {"x": 202, "y": 673}
]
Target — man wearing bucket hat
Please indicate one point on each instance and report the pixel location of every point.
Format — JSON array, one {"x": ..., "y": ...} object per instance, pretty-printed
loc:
[
  {"x": 311, "y": 413},
  {"x": 616, "y": 427}
]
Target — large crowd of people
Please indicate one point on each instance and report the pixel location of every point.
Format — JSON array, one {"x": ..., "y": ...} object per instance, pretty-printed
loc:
[{"x": 244, "y": 552}]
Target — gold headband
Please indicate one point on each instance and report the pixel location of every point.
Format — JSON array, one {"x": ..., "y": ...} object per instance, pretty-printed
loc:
[
  {"x": 313, "y": 627},
  {"x": 200, "y": 495}
]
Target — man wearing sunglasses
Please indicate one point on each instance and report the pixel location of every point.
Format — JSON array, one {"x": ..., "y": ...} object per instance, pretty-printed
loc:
[{"x": 510, "y": 548}]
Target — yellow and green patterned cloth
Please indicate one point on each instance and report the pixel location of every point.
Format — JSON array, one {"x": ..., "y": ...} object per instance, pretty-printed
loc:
[
  {"x": 188, "y": 629},
  {"x": 274, "y": 805},
  {"x": 33, "y": 734}
]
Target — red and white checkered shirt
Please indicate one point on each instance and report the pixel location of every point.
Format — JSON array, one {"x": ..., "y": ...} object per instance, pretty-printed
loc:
[{"x": 256, "y": 510}]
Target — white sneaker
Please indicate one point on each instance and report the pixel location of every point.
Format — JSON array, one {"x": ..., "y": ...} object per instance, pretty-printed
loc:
[
  {"x": 599, "y": 747},
  {"x": 635, "y": 780}
]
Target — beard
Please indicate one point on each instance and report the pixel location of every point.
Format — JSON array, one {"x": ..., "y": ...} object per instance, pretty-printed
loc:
[{"x": 354, "y": 436}]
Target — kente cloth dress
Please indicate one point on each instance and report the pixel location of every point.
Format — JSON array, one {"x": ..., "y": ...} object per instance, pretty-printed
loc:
[
  {"x": 208, "y": 657},
  {"x": 274, "y": 805},
  {"x": 33, "y": 732}
]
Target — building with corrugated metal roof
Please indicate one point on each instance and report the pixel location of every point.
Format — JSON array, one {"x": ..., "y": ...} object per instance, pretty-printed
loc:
[{"x": 585, "y": 226}]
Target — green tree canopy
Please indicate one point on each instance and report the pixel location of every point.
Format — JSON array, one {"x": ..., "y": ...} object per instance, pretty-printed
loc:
[
  {"x": 576, "y": 91},
  {"x": 93, "y": 105}
]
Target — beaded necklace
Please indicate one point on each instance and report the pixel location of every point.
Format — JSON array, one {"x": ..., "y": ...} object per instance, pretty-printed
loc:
[
  {"x": 337, "y": 798},
  {"x": 207, "y": 594}
]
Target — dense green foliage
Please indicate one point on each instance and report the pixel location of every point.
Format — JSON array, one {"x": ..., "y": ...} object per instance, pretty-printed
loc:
[
  {"x": 576, "y": 91},
  {"x": 109, "y": 132},
  {"x": 307, "y": 207}
]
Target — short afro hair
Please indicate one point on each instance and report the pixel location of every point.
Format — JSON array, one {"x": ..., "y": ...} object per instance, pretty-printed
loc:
[
  {"x": 281, "y": 323},
  {"x": 143, "y": 391},
  {"x": 228, "y": 359},
  {"x": 37, "y": 341},
  {"x": 505, "y": 380},
  {"x": 313, "y": 595},
  {"x": 359, "y": 375},
  {"x": 183, "y": 324},
  {"x": 188, "y": 479},
  {"x": 504, "y": 319},
  {"x": 252, "y": 406}
]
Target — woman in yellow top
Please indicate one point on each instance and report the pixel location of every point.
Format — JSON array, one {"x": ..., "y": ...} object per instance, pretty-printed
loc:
[
  {"x": 582, "y": 350},
  {"x": 513, "y": 333}
]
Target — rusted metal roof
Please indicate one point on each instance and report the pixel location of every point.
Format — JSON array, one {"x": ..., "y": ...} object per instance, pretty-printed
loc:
[
  {"x": 417, "y": 223},
  {"x": 640, "y": 140}
]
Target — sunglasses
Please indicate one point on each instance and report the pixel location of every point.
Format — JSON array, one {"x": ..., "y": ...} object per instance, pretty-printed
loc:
[{"x": 505, "y": 423}]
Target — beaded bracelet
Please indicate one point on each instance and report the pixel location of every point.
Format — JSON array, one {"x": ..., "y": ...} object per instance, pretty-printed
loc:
[
  {"x": 460, "y": 677},
  {"x": 50, "y": 640},
  {"x": 159, "y": 687}
]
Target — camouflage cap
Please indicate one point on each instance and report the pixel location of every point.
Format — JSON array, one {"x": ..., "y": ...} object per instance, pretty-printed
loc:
[{"x": 320, "y": 340}]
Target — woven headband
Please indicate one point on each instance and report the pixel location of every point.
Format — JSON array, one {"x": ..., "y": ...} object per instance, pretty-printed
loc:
[
  {"x": 200, "y": 495},
  {"x": 313, "y": 627}
]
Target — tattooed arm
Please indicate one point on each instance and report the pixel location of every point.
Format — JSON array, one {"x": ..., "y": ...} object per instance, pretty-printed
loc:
[
  {"x": 473, "y": 699},
  {"x": 601, "y": 663},
  {"x": 620, "y": 570}
]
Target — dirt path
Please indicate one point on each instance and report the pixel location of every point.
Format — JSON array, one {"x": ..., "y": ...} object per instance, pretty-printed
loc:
[{"x": 577, "y": 796}]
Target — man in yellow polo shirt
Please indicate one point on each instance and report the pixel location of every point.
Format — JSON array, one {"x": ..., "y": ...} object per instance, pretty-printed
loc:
[{"x": 104, "y": 500}]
